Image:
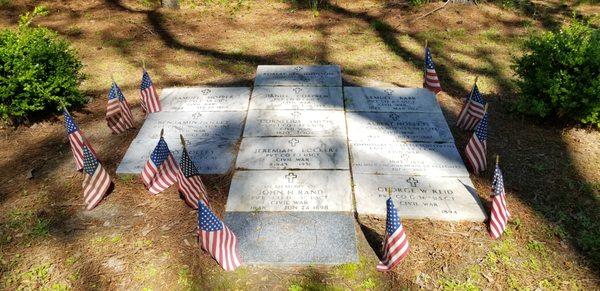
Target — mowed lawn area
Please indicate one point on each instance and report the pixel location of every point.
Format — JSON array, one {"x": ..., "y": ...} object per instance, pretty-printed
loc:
[{"x": 136, "y": 241}]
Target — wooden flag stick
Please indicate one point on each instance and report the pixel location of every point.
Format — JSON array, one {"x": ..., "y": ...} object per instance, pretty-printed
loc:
[
  {"x": 112, "y": 78},
  {"x": 473, "y": 89},
  {"x": 485, "y": 108},
  {"x": 162, "y": 130},
  {"x": 183, "y": 142},
  {"x": 497, "y": 159},
  {"x": 426, "y": 44},
  {"x": 144, "y": 64},
  {"x": 390, "y": 191}
]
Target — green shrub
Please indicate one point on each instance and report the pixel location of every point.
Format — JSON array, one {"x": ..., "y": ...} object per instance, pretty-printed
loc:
[
  {"x": 39, "y": 72},
  {"x": 559, "y": 75}
]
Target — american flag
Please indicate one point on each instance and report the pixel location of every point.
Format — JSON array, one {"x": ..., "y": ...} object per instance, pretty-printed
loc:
[
  {"x": 118, "y": 113},
  {"x": 395, "y": 243},
  {"x": 76, "y": 139},
  {"x": 473, "y": 110},
  {"x": 477, "y": 146},
  {"x": 191, "y": 187},
  {"x": 96, "y": 182},
  {"x": 217, "y": 239},
  {"x": 150, "y": 101},
  {"x": 499, "y": 215},
  {"x": 160, "y": 172},
  {"x": 431, "y": 81}
]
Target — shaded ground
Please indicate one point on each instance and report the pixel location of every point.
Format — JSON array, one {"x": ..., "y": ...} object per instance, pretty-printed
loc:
[{"x": 135, "y": 241}]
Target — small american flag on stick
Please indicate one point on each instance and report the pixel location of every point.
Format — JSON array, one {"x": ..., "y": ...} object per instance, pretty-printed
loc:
[
  {"x": 118, "y": 113},
  {"x": 499, "y": 214},
  {"x": 217, "y": 239},
  {"x": 191, "y": 188},
  {"x": 477, "y": 146},
  {"x": 150, "y": 101},
  {"x": 76, "y": 139},
  {"x": 395, "y": 243},
  {"x": 96, "y": 183},
  {"x": 473, "y": 110},
  {"x": 160, "y": 171},
  {"x": 431, "y": 80}
]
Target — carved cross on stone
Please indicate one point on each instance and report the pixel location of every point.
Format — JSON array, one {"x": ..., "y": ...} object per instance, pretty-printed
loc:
[
  {"x": 388, "y": 91},
  {"x": 205, "y": 91},
  {"x": 298, "y": 69},
  {"x": 291, "y": 177},
  {"x": 296, "y": 114},
  {"x": 293, "y": 142},
  {"x": 394, "y": 116},
  {"x": 412, "y": 181},
  {"x": 297, "y": 90}
]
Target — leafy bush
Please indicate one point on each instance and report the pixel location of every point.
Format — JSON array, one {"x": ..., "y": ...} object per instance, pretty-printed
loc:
[
  {"x": 39, "y": 72},
  {"x": 559, "y": 75}
]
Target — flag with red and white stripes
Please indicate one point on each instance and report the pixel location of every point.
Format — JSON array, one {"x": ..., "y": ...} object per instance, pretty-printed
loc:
[
  {"x": 96, "y": 183},
  {"x": 160, "y": 171},
  {"x": 477, "y": 147},
  {"x": 217, "y": 239},
  {"x": 191, "y": 188},
  {"x": 76, "y": 139},
  {"x": 473, "y": 110},
  {"x": 499, "y": 214},
  {"x": 395, "y": 244},
  {"x": 431, "y": 80},
  {"x": 150, "y": 101},
  {"x": 118, "y": 113}
]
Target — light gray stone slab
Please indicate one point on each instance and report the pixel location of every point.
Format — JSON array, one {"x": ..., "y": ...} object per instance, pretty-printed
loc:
[
  {"x": 420, "y": 159},
  {"x": 298, "y": 75},
  {"x": 418, "y": 197},
  {"x": 321, "y": 98},
  {"x": 390, "y": 99},
  {"x": 294, "y": 238},
  {"x": 193, "y": 125},
  {"x": 398, "y": 127},
  {"x": 213, "y": 156},
  {"x": 205, "y": 99},
  {"x": 270, "y": 153},
  {"x": 314, "y": 190},
  {"x": 295, "y": 123}
]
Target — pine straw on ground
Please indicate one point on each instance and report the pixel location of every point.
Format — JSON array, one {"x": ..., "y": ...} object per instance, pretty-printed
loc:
[{"x": 134, "y": 240}]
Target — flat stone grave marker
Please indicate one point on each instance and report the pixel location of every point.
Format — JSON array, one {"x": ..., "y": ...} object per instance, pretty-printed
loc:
[
  {"x": 294, "y": 238},
  {"x": 205, "y": 99},
  {"x": 375, "y": 157},
  {"x": 193, "y": 125},
  {"x": 418, "y": 197},
  {"x": 295, "y": 123},
  {"x": 309, "y": 98},
  {"x": 297, "y": 75},
  {"x": 309, "y": 190},
  {"x": 214, "y": 156},
  {"x": 398, "y": 127},
  {"x": 390, "y": 99},
  {"x": 269, "y": 153}
]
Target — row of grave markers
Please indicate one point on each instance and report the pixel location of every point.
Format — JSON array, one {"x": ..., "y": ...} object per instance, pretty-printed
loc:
[{"x": 305, "y": 139}]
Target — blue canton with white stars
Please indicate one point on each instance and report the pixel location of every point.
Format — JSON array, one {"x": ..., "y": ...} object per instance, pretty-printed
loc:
[
  {"x": 70, "y": 123},
  {"x": 207, "y": 221},
  {"x": 115, "y": 92},
  {"x": 89, "y": 161},
  {"x": 160, "y": 153},
  {"x": 393, "y": 220},
  {"x": 481, "y": 130},
  {"x": 498, "y": 182},
  {"x": 187, "y": 166},
  {"x": 476, "y": 96},
  {"x": 428, "y": 60},
  {"x": 146, "y": 82}
]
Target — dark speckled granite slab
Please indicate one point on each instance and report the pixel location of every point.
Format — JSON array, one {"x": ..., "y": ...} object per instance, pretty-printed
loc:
[{"x": 294, "y": 238}]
